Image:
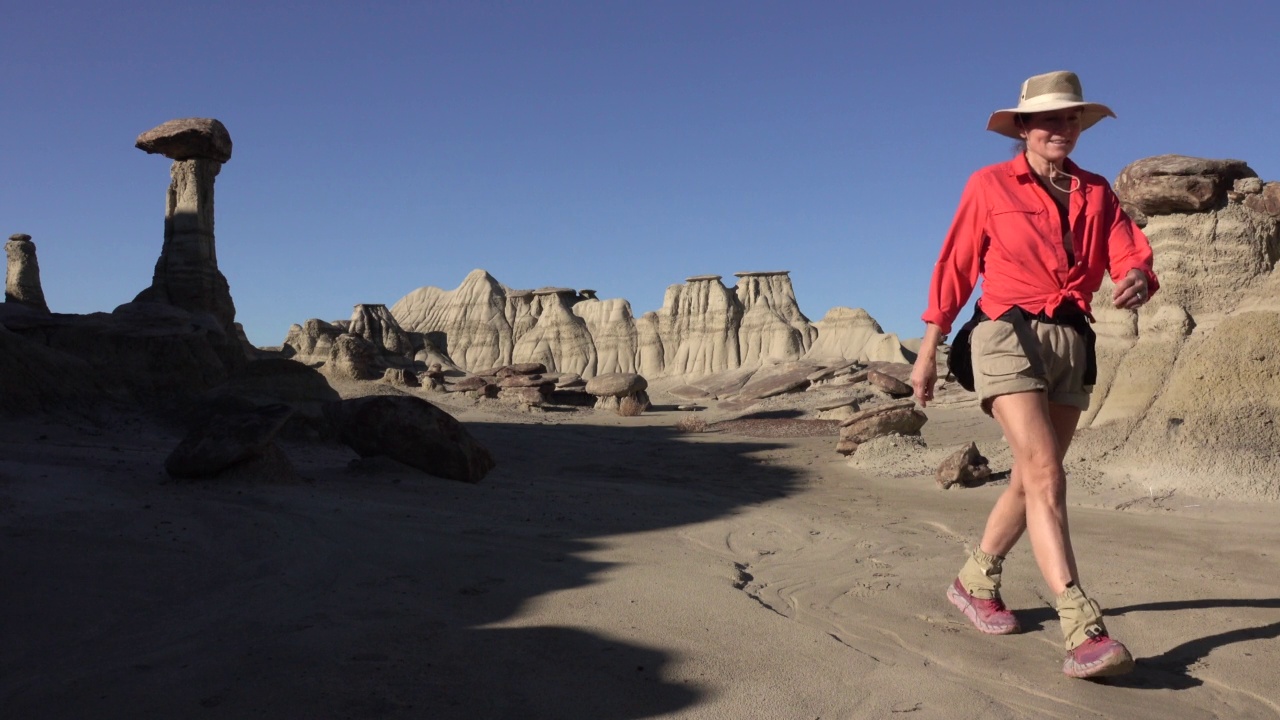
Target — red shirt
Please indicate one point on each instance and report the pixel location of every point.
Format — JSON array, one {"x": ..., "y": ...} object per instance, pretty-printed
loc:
[{"x": 1008, "y": 230}]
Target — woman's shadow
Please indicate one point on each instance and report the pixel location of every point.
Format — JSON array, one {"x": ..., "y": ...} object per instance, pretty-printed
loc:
[{"x": 1170, "y": 669}]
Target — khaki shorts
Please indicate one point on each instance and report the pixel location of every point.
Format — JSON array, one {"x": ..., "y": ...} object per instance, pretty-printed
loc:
[{"x": 1001, "y": 367}]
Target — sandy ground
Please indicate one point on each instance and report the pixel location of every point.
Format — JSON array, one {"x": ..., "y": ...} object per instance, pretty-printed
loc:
[{"x": 607, "y": 568}]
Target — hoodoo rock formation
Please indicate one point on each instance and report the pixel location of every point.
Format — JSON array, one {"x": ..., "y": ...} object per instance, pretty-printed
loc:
[
  {"x": 22, "y": 274},
  {"x": 187, "y": 275},
  {"x": 1199, "y": 365}
]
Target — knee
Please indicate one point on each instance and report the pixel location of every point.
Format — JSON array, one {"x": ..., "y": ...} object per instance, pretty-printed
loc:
[{"x": 1044, "y": 478}]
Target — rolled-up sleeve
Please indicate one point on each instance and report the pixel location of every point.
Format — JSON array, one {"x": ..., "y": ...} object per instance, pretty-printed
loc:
[
  {"x": 1127, "y": 246},
  {"x": 956, "y": 273}
]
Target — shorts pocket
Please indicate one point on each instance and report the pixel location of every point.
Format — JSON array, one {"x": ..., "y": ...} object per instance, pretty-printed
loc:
[{"x": 1002, "y": 364}]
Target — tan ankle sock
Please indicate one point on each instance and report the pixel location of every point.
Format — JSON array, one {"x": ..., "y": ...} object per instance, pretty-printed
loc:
[{"x": 1081, "y": 617}]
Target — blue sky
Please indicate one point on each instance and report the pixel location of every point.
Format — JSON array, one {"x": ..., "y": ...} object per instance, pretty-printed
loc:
[{"x": 618, "y": 146}]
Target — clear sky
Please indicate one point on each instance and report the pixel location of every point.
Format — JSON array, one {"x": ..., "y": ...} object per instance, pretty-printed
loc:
[{"x": 618, "y": 146}]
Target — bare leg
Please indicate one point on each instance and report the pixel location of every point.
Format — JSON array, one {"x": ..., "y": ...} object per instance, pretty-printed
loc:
[
  {"x": 1008, "y": 519},
  {"x": 1034, "y": 431}
]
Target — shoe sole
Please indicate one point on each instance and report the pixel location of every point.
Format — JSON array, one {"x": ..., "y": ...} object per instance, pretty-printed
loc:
[
  {"x": 1119, "y": 664},
  {"x": 967, "y": 608}
]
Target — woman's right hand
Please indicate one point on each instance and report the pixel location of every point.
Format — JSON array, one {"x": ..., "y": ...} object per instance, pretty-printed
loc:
[{"x": 924, "y": 376}]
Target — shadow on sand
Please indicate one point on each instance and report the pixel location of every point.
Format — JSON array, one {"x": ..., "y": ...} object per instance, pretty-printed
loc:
[
  {"x": 384, "y": 595},
  {"x": 1170, "y": 669}
]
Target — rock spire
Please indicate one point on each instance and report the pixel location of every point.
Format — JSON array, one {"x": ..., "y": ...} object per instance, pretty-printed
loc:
[{"x": 22, "y": 274}]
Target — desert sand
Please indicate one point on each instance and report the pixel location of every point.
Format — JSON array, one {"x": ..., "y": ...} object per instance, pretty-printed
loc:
[{"x": 609, "y": 567}]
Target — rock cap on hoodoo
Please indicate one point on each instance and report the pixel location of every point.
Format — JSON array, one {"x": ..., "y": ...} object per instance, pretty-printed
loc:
[
  {"x": 187, "y": 139},
  {"x": 616, "y": 385},
  {"x": 1167, "y": 184}
]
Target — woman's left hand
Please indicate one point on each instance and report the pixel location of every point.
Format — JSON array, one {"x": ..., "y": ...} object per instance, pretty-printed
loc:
[{"x": 1132, "y": 292}]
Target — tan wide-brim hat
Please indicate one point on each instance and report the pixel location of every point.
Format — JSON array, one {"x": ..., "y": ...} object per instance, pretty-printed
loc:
[{"x": 1057, "y": 90}]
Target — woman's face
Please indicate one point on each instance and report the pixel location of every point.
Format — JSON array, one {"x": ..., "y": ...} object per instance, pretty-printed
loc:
[{"x": 1052, "y": 135}]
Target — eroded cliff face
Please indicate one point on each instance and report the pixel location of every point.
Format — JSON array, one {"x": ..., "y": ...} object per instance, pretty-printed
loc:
[
  {"x": 702, "y": 328},
  {"x": 1195, "y": 374},
  {"x": 559, "y": 339},
  {"x": 698, "y": 324},
  {"x": 614, "y": 333}
]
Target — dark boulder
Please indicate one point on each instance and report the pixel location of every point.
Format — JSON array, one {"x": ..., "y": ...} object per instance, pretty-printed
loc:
[{"x": 412, "y": 431}]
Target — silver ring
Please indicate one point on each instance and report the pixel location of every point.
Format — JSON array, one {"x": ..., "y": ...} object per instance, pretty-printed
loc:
[{"x": 1140, "y": 296}]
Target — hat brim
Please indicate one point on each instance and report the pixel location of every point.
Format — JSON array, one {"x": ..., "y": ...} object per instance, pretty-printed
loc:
[{"x": 1005, "y": 121}]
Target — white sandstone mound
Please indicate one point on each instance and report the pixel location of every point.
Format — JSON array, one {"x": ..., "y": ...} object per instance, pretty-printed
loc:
[
  {"x": 469, "y": 324},
  {"x": 852, "y": 334}
]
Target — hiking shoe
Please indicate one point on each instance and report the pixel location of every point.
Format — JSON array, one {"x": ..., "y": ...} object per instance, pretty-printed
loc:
[
  {"x": 1099, "y": 656},
  {"x": 989, "y": 616}
]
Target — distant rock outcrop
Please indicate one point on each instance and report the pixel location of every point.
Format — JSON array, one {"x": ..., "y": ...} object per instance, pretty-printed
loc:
[
  {"x": 854, "y": 335},
  {"x": 387, "y": 345},
  {"x": 312, "y": 342},
  {"x": 703, "y": 328},
  {"x": 375, "y": 324},
  {"x": 472, "y": 324},
  {"x": 22, "y": 274}
]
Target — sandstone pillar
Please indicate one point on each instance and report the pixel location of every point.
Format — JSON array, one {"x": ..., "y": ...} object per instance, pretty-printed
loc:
[
  {"x": 187, "y": 275},
  {"x": 22, "y": 274}
]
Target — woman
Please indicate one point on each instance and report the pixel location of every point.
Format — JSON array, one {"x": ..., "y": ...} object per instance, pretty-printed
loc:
[{"x": 1040, "y": 232}]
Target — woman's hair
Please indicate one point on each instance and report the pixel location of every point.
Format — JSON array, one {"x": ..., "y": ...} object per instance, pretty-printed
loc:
[{"x": 1020, "y": 119}]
